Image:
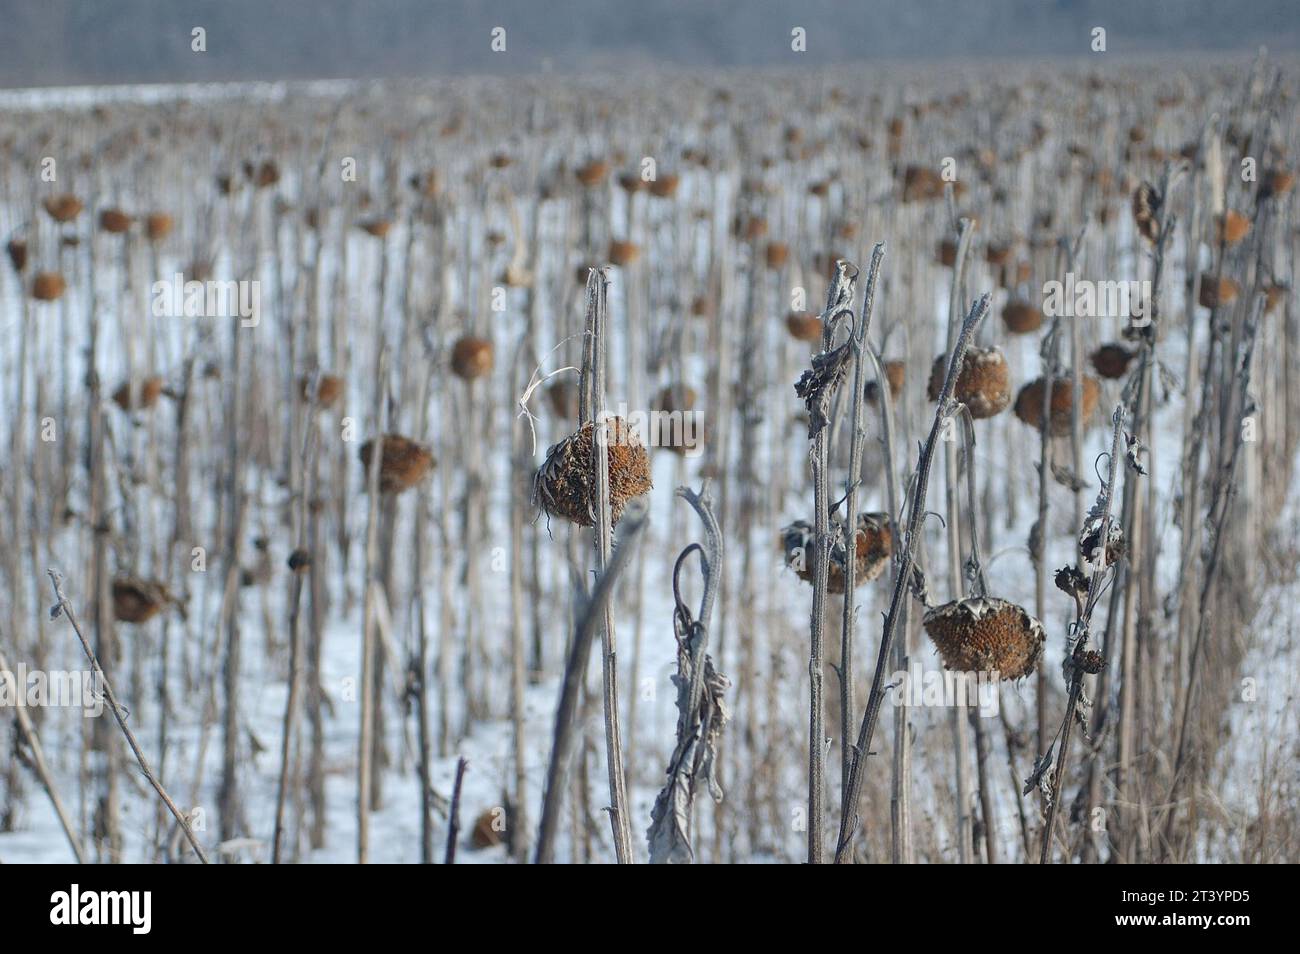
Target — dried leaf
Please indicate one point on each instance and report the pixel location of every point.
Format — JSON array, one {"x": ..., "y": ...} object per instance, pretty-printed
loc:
[
  {"x": 694, "y": 758},
  {"x": 1038, "y": 777},
  {"x": 1081, "y": 710},
  {"x": 1069, "y": 579},
  {"x": 1133, "y": 447},
  {"x": 1091, "y": 550},
  {"x": 919, "y": 588},
  {"x": 1068, "y": 478},
  {"x": 817, "y": 385},
  {"x": 1034, "y": 541}
]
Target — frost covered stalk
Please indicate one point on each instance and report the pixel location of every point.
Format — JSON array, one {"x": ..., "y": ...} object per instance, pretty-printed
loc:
[
  {"x": 975, "y": 569},
  {"x": 817, "y": 387},
  {"x": 900, "y": 788},
  {"x": 593, "y": 408},
  {"x": 1100, "y": 543},
  {"x": 365, "y": 748},
  {"x": 965, "y": 229},
  {"x": 853, "y": 479},
  {"x": 291, "y": 705},
  {"x": 904, "y": 565}
]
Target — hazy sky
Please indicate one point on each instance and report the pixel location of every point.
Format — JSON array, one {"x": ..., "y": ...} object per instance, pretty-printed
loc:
[{"x": 48, "y": 42}]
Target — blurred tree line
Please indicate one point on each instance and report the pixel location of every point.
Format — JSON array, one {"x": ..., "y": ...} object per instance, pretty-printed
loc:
[{"x": 54, "y": 42}]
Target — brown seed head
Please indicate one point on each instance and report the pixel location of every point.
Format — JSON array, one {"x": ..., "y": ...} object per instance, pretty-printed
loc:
[
  {"x": 471, "y": 357},
  {"x": 895, "y": 374},
  {"x": 804, "y": 326},
  {"x": 379, "y": 228},
  {"x": 983, "y": 383},
  {"x": 1276, "y": 182},
  {"x": 1029, "y": 403},
  {"x": 562, "y": 396},
  {"x": 328, "y": 389},
  {"x": 1112, "y": 360},
  {"x": 999, "y": 253},
  {"x": 115, "y": 221},
  {"x": 267, "y": 174},
  {"x": 1231, "y": 227},
  {"x": 623, "y": 253},
  {"x": 665, "y": 186},
  {"x": 48, "y": 286},
  {"x": 405, "y": 463},
  {"x": 158, "y": 225},
  {"x": 921, "y": 184},
  {"x": 776, "y": 254},
  {"x": 565, "y": 484},
  {"x": 485, "y": 833},
  {"x": 147, "y": 394},
  {"x": 1146, "y": 209},
  {"x": 873, "y": 540},
  {"x": 983, "y": 634},
  {"x": 1273, "y": 295},
  {"x": 137, "y": 600},
  {"x": 1021, "y": 316},
  {"x": 593, "y": 173},
  {"x": 63, "y": 208},
  {"x": 1213, "y": 294}
]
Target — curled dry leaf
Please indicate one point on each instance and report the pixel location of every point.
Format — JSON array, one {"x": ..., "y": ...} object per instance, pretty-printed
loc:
[
  {"x": 1132, "y": 448},
  {"x": 817, "y": 385}
]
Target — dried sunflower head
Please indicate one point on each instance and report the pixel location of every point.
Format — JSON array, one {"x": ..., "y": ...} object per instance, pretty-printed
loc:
[
  {"x": 985, "y": 634},
  {"x": 983, "y": 384},
  {"x": 565, "y": 484},
  {"x": 405, "y": 462},
  {"x": 874, "y": 538}
]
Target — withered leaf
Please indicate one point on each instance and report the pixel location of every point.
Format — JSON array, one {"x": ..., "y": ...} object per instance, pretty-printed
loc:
[{"x": 817, "y": 385}]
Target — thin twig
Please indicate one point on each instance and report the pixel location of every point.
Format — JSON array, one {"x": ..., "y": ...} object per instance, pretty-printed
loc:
[{"x": 65, "y": 607}]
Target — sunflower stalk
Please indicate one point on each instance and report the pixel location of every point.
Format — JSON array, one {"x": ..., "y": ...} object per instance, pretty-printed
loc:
[
  {"x": 853, "y": 480},
  {"x": 903, "y": 576},
  {"x": 1101, "y": 562},
  {"x": 818, "y": 386}
]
